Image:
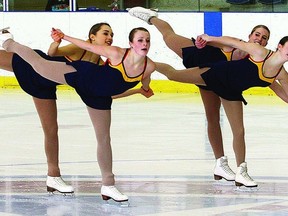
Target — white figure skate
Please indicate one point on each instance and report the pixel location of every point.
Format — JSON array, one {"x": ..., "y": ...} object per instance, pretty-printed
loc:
[
  {"x": 222, "y": 170},
  {"x": 143, "y": 13},
  {"x": 5, "y": 35},
  {"x": 58, "y": 184},
  {"x": 111, "y": 192},
  {"x": 243, "y": 181}
]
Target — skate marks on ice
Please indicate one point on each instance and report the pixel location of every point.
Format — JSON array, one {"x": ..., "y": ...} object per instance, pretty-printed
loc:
[{"x": 145, "y": 198}]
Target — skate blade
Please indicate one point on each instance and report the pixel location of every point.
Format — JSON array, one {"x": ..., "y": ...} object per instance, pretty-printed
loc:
[
  {"x": 246, "y": 189},
  {"x": 124, "y": 204},
  {"x": 223, "y": 182},
  {"x": 57, "y": 193}
]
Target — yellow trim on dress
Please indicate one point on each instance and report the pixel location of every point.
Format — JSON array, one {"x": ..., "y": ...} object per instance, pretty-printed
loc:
[
  {"x": 228, "y": 55},
  {"x": 260, "y": 71},
  {"x": 121, "y": 69}
]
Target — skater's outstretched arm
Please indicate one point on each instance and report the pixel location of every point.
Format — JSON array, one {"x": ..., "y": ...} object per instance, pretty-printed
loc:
[
  {"x": 111, "y": 52},
  {"x": 201, "y": 43},
  {"x": 68, "y": 50},
  {"x": 99, "y": 34},
  {"x": 255, "y": 50}
]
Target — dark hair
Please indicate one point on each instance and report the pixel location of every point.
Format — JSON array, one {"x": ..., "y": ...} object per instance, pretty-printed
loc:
[
  {"x": 283, "y": 40},
  {"x": 260, "y": 26},
  {"x": 133, "y": 31},
  {"x": 95, "y": 28}
]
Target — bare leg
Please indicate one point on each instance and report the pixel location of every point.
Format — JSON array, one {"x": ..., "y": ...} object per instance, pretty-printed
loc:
[
  {"x": 48, "y": 116},
  {"x": 47, "y": 112},
  {"x": 169, "y": 36},
  {"x": 101, "y": 120},
  {"x": 190, "y": 75},
  {"x": 51, "y": 70},
  {"x": 210, "y": 100},
  {"x": 173, "y": 41},
  {"x": 212, "y": 105},
  {"x": 6, "y": 60},
  {"x": 234, "y": 112}
]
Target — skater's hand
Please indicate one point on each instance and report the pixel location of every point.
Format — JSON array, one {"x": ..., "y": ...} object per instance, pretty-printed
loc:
[
  {"x": 200, "y": 42},
  {"x": 147, "y": 93},
  {"x": 204, "y": 37},
  {"x": 57, "y": 35}
]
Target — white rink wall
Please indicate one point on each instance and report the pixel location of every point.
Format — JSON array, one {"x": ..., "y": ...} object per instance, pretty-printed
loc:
[{"x": 33, "y": 29}]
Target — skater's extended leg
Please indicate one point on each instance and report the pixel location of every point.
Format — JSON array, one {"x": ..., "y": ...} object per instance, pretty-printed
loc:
[
  {"x": 51, "y": 70},
  {"x": 189, "y": 75},
  {"x": 169, "y": 36}
]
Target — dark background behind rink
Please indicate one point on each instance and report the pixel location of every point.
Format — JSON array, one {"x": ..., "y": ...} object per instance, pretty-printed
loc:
[{"x": 165, "y": 5}]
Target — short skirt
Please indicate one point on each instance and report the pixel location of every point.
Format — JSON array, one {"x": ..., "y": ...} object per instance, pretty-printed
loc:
[
  {"x": 218, "y": 79},
  {"x": 30, "y": 81},
  {"x": 194, "y": 57},
  {"x": 96, "y": 84}
]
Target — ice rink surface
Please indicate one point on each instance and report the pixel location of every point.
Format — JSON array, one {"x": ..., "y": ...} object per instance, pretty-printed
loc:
[{"x": 162, "y": 158}]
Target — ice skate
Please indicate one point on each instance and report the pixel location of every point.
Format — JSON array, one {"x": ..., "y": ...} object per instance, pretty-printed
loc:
[
  {"x": 222, "y": 170},
  {"x": 58, "y": 184},
  {"x": 243, "y": 179},
  {"x": 4, "y": 30},
  {"x": 111, "y": 192},
  {"x": 143, "y": 13},
  {"x": 5, "y": 35}
]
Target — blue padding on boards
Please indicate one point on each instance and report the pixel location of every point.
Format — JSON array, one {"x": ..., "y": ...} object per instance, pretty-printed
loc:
[{"x": 213, "y": 23}]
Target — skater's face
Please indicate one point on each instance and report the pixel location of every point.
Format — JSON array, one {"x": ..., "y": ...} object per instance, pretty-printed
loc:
[
  {"x": 103, "y": 37},
  {"x": 260, "y": 36},
  {"x": 141, "y": 42}
]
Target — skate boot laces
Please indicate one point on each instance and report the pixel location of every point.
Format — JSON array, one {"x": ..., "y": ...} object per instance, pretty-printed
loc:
[
  {"x": 226, "y": 168},
  {"x": 243, "y": 178},
  {"x": 245, "y": 175}
]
